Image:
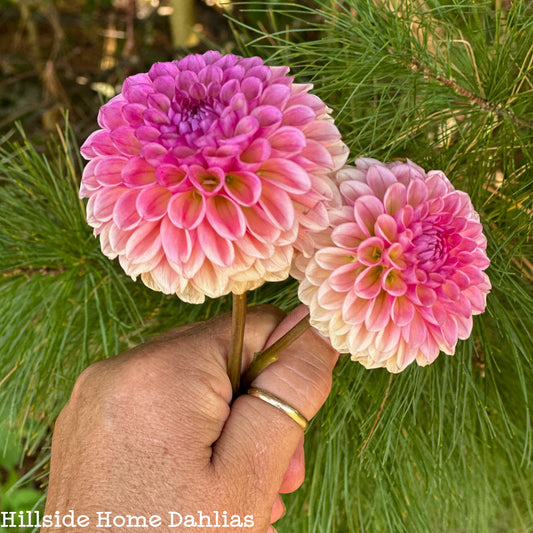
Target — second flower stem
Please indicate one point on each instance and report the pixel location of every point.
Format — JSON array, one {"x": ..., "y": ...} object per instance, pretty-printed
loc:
[
  {"x": 238, "y": 320},
  {"x": 271, "y": 354}
]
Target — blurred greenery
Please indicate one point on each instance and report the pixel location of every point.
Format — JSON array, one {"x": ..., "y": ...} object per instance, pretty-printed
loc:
[
  {"x": 15, "y": 494},
  {"x": 447, "y": 83}
]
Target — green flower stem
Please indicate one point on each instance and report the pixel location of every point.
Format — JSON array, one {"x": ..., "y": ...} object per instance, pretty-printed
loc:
[
  {"x": 271, "y": 354},
  {"x": 238, "y": 320}
]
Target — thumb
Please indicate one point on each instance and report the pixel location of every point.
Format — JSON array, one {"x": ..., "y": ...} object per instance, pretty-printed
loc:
[{"x": 258, "y": 440}]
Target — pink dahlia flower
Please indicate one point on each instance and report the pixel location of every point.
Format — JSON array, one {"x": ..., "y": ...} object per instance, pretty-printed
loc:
[
  {"x": 399, "y": 273},
  {"x": 208, "y": 172}
]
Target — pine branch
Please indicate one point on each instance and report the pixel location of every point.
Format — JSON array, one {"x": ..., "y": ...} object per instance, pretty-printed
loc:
[{"x": 475, "y": 99}]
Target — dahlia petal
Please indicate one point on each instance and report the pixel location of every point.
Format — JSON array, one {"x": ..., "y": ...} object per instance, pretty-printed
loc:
[
  {"x": 315, "y": 274},
  {"x": 298, "y": 116},
  {"x": 304, "y": 98},
  {"x": 475, "y": 275},
  {"x": 125, "y": 141},
  {"x": 176, "y": 242},
  {"x": 172, "y": 177},
  {"x": 316, "y": 156},
  {"x": 251, "y": 88},
  {"x": 388, "y": 337},
  {"x": 343, "y": 278},
  {"x": 105, "y": 244},
  {"x": 258, "y": 151},
  {"x": 407, "y": 172},
  {"x": 109, "y": 116},
  {"x": 464, "y": 326},
  {"x": 208, "y": 181},
  {"x": 352, "y": 190},
  {"x": 253, "y": 247},
  {"x": 286, "y": 175},
  {"x": 395, "y": 198},
  {"x": 137, "y": 172},
  {"x": 89, "y": 184},
  {"x": 366, "y": 211},
  {"x": 267, "y": 115},
  {"x": 402, "y": 311},
  {"x": 209, "y": 280},
  {"x": 125, "y": 214},
  {"x": 417, "y": 193},
  {"x": 463, "y": 307},
  {"x": 429, "y": 349},
  {"x": 216, "y": 248},
  {"x": 450, "y": 333},
  {"x": 231, "y": 87},
  {"x": 314, "y": 218},
  {"x": 144, "y": 243},
  {"x": 152, "y": 202},
  {"x": 98, "y": 143},
  {"x": 348, "y": 235},
  {"x": 196, "y": 260},
  {"x": 259, "y": 224},
  {"x": 331, "y": 258},
  {"x": 329, "y": 298},
  {"x": 147, "y": 134},
  {"x": 379, "y": 179},
  {"x": 133, "y": 114},
  {"x": 161, "y": 278},
  {"x": 210, "y": 74},
  {"x": 164, "y": 84},
  {"x": 354, "y": 309},
  {"x": 321, "y": 131},
  {"x": 379, "y": 312},
  {"x": 477, "y": 299},
  {"x": 451, "y": 290},
  {"x": 386, "y": 228},
  {"x": 154, "y": 153},
  {"x": 439, "y": 312},
  {"x": 243, "y": 187},
  {"x": 277, "y": 206},
  {"x": 393, "y": 283},
  {"x": 118, "y": 238},
  {"x": 108, "y": 170},
  {"x": 276, "y": 95},
  {"x": 155, "y": 117},
  {"x": 426, "y": 295},
  {"x": 259, "y": 71},
  {"x": 245, "y": 128},
  {"x": 368, "y": 282},
  {"x": 187, "y": 209},
  {"x": 104, "y": 202},
  {"x": 359, "y": 338},
  {"x": 186, "y": 80},
  {"x": 136, "y": 94},
  {"x": 415, "y": 333},
  {"x": 225, "y": 217},
  {"x": 396, "y": 257},
  {"x": 404, "y": 357},
  {"x": 287, "y": 140},
  {"x": 370, "y": 251},
  {"x": 461, "y": 279}
]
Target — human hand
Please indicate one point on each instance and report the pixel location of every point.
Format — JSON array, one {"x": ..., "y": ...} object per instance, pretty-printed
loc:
[{"x": 152, "y": 432}]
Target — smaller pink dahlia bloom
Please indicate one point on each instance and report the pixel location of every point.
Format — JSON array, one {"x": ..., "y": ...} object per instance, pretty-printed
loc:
[
  {"x": 399, "y": 273},
  {"x": 208, "y": 172}
]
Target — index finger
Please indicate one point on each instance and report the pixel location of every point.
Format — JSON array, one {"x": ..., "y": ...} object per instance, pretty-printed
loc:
[{"x": 258, "y": 439}]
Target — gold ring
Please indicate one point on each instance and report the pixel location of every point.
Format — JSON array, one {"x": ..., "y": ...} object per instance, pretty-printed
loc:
[{"x": 279, "y": 404}]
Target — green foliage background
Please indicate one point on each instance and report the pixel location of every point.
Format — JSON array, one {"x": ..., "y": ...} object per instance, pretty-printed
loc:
[{"x": 446, "y": 448}]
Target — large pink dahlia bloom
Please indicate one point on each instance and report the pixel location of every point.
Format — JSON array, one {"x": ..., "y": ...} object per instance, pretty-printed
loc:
[
  {"x": 399, "y": 274},
  {"x": 208, "y": 172}
]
